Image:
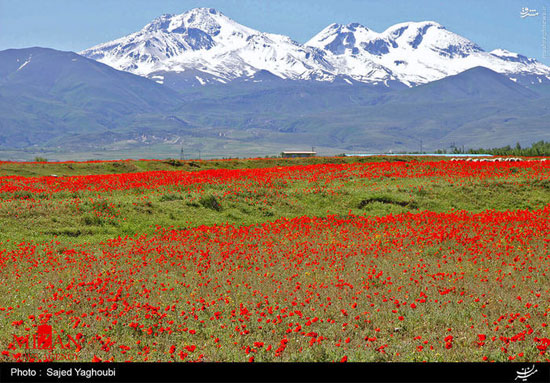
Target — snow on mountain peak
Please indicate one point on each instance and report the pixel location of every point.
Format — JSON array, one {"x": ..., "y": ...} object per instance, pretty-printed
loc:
[
  {"x": 503, "y": 53},
  {"x": 337, "y": 38},
  {"x": 413, "y": 52},
  {"x": 512, "y": 57},
  {"x": 207, "y": 20},
  {"x": 203, "y": 40}
]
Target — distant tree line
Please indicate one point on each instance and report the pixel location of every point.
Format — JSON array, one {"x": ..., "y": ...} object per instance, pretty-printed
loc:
[{"x": 540, "y": 148}]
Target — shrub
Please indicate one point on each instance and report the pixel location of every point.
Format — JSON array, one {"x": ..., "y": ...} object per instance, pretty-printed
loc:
[{"x": 211, "y": 202}]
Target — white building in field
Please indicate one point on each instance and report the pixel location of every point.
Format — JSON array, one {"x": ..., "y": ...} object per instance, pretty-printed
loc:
[{"x": 291, "y": 154}]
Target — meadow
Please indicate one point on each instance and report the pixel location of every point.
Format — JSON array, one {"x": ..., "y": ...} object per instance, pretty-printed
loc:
[{"x": 321, "y": 259}]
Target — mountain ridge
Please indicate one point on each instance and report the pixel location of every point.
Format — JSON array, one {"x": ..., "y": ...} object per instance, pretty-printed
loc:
[
  {"x": 201, "y": 80},
  {"x": 219, "y": 50},
  {"x": 50, "y": 101},
  {"x": 48, "y": 94}
]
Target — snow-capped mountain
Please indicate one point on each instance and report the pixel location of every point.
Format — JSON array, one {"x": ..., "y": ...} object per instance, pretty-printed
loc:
[
  {"x": 204, "y": 40},
  {"x": 206, "y": 46},
  {"x": 416, "y": 53}
]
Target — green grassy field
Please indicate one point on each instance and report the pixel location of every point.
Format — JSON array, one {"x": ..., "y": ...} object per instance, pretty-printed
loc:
[
  {"x": 141, "y": 211},
  {"x": 67, "y": 256},
  {"x": 33, "y": 169}
]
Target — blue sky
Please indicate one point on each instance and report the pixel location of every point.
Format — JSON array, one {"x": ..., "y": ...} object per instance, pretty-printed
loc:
[{"x": 78, "y": 24}]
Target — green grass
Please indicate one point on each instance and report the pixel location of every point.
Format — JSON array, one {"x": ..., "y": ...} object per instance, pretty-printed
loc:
[
  {"x": 141, "y": 211},
  {"x": 132, "y": 166},
  {"x": 66, "y": 220}
]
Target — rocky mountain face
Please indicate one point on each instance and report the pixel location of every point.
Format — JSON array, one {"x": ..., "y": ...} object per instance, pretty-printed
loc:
[
  {"x": 204, "y": 46},
  {"x": 203, "y": 82}
]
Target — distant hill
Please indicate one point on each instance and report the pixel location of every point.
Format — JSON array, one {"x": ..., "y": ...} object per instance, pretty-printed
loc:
[
  {"x": 477, "y": 83},
  {"x": 47, "y": 94},
  {"x": 478, "y": 107},
  {"x": 63, "y": 101}
]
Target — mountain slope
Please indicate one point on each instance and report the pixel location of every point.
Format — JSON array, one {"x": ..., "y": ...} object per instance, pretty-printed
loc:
[
  {"x": 478, "y": 84},
  {"x": 419, "y": 52},
  {"x": 203, "y": 46},
  {"x": 47, "y": 93},
  {"x": 77, "y": 80},
  {"x": 205, "y": 41},
  {"x": 477, "y": 108},
  {"x": 52, "y": 99}
]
